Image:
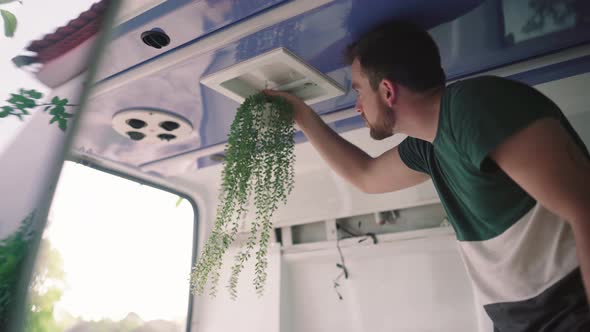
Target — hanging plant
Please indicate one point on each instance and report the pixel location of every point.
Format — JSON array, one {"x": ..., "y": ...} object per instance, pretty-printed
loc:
[{"x": 258, "y": 168}]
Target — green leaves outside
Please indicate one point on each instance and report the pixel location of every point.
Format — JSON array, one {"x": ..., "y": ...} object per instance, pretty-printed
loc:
[
  {"x": 6, "y": 111},
  {"x": 25, "y": 101},
  {"x": 21, "y": 103},
  {"x": 31, "y": 93},
  {"x": 13, "y": 252},
  {"x": 10, "y": 22},
  {"x": 180, "y": 199},
  {"x": 59, "y": 112}
]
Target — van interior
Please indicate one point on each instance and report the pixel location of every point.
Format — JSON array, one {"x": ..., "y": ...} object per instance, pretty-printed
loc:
[{"x": 141, "y": 175}]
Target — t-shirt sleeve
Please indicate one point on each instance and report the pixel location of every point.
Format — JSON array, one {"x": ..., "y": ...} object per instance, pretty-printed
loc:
[
  {"x": 415, "y": 154},
  {"x": 488, "y": 110}
]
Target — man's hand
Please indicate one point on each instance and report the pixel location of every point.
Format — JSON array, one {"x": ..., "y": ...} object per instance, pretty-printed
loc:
[{"x": 300, "y": 108}]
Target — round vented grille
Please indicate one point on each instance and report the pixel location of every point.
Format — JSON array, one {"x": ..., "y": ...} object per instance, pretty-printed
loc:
[
  {"x": 151, "y": 126},
  {"x": 155, "y": 38}
]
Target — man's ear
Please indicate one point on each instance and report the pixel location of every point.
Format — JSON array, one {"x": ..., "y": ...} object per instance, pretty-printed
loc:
[{"x": 388, "y": 92}]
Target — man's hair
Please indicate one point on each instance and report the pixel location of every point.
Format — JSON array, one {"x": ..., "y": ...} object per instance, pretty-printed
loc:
[{"x": 401, "y": 52}]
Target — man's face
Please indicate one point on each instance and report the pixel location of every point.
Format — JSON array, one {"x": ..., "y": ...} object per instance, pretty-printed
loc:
[{"x": 374, "y": 111}]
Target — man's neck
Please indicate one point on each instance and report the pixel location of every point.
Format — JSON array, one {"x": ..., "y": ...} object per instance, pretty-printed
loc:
[{"x": 424, "y": 110}]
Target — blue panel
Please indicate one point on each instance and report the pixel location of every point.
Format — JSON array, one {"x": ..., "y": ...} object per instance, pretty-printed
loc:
[
  {"x": 184, "y": 21},
  {"x": 485, "y": 38},
  {"x": 321, "y": 35},
  {"x": 554, "y": 72},
  {"x": 148, "y": 17}
]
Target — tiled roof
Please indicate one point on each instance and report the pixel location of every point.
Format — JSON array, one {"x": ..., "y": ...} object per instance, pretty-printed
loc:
[{"x": 71, "y": 35}]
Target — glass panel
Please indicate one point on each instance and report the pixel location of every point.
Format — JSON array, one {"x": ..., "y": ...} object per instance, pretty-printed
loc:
[{"x": 116, "y": 257}]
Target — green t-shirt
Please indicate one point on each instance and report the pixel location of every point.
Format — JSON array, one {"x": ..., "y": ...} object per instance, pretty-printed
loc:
[{"x": 476, "y": 116}]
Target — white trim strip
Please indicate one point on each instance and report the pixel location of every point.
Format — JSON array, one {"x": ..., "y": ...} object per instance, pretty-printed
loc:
[
  {"x": 535, "y": 63},
  {"x": 381, "y": 238},
  {"x": 132, "y": 9}
]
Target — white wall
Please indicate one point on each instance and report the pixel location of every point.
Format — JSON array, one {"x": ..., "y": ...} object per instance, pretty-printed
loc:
[
  {"x": 249, "y": 312},
  {"x": 403, "y": 285}
]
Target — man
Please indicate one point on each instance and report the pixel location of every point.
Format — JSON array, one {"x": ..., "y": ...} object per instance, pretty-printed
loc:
[{"x": 512, "y": 174}]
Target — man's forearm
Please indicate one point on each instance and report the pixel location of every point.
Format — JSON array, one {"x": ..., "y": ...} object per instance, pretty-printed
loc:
[{"x": 345, "y": 158}]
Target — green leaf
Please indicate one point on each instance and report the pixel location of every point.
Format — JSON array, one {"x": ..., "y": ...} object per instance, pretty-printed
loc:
[
  {"x": 63, "y": 124},
  {"x": 57, "y": 110},
  {"x": 33, "y": 94},
  {"x": 9, "y": 22},
  {"x": 59, "y": 102},
  {"x": 7, "y": 1},
  {"x": 24, "y": 60},
  {"x": 179, "y": 201},
  {"x": 21, "y": 101},
  {"x": 6, "y": 111}
]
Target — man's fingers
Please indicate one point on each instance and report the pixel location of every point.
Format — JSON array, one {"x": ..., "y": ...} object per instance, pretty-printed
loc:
[{"x": 270, "y": 92}]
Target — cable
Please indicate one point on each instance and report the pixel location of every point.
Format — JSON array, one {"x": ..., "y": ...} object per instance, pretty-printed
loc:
[{"x": 342, "y": 264}]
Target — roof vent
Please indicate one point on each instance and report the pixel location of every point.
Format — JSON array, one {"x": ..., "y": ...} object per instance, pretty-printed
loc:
[
  {"x": 151, "y": 126},
  {"x": 278, "y": 69},
  {"x": 156, "y": 38}
]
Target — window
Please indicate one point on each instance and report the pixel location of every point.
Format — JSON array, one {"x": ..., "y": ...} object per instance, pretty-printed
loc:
[{"x": 116, "y": 256}]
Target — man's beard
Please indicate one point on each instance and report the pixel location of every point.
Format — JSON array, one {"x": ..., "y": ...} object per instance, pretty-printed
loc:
[
  {"x": 379, "y": 134},
  {"x": 386, "y": 128}
]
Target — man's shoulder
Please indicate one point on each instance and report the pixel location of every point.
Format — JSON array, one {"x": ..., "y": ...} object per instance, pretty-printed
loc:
[
  {"x": 480, "y": 82},
  {"x": 488, "y": 92},
  {"x": 471, "y": 103}
]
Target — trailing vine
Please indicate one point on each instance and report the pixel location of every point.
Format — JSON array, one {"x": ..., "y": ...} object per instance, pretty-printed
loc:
[
  {"x": 22, "y": 103},
  {"x": 258, "y": 167}
]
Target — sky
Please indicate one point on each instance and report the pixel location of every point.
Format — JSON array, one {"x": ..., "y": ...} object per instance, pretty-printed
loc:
[{"x": 125, "y": 247}]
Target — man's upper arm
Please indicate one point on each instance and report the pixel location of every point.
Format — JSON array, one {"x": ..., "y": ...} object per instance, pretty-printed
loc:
[
  {"x": 388, "y": 173},
  {"x": 488, "y": 110},
  {"x": 546, "y": 162}
]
